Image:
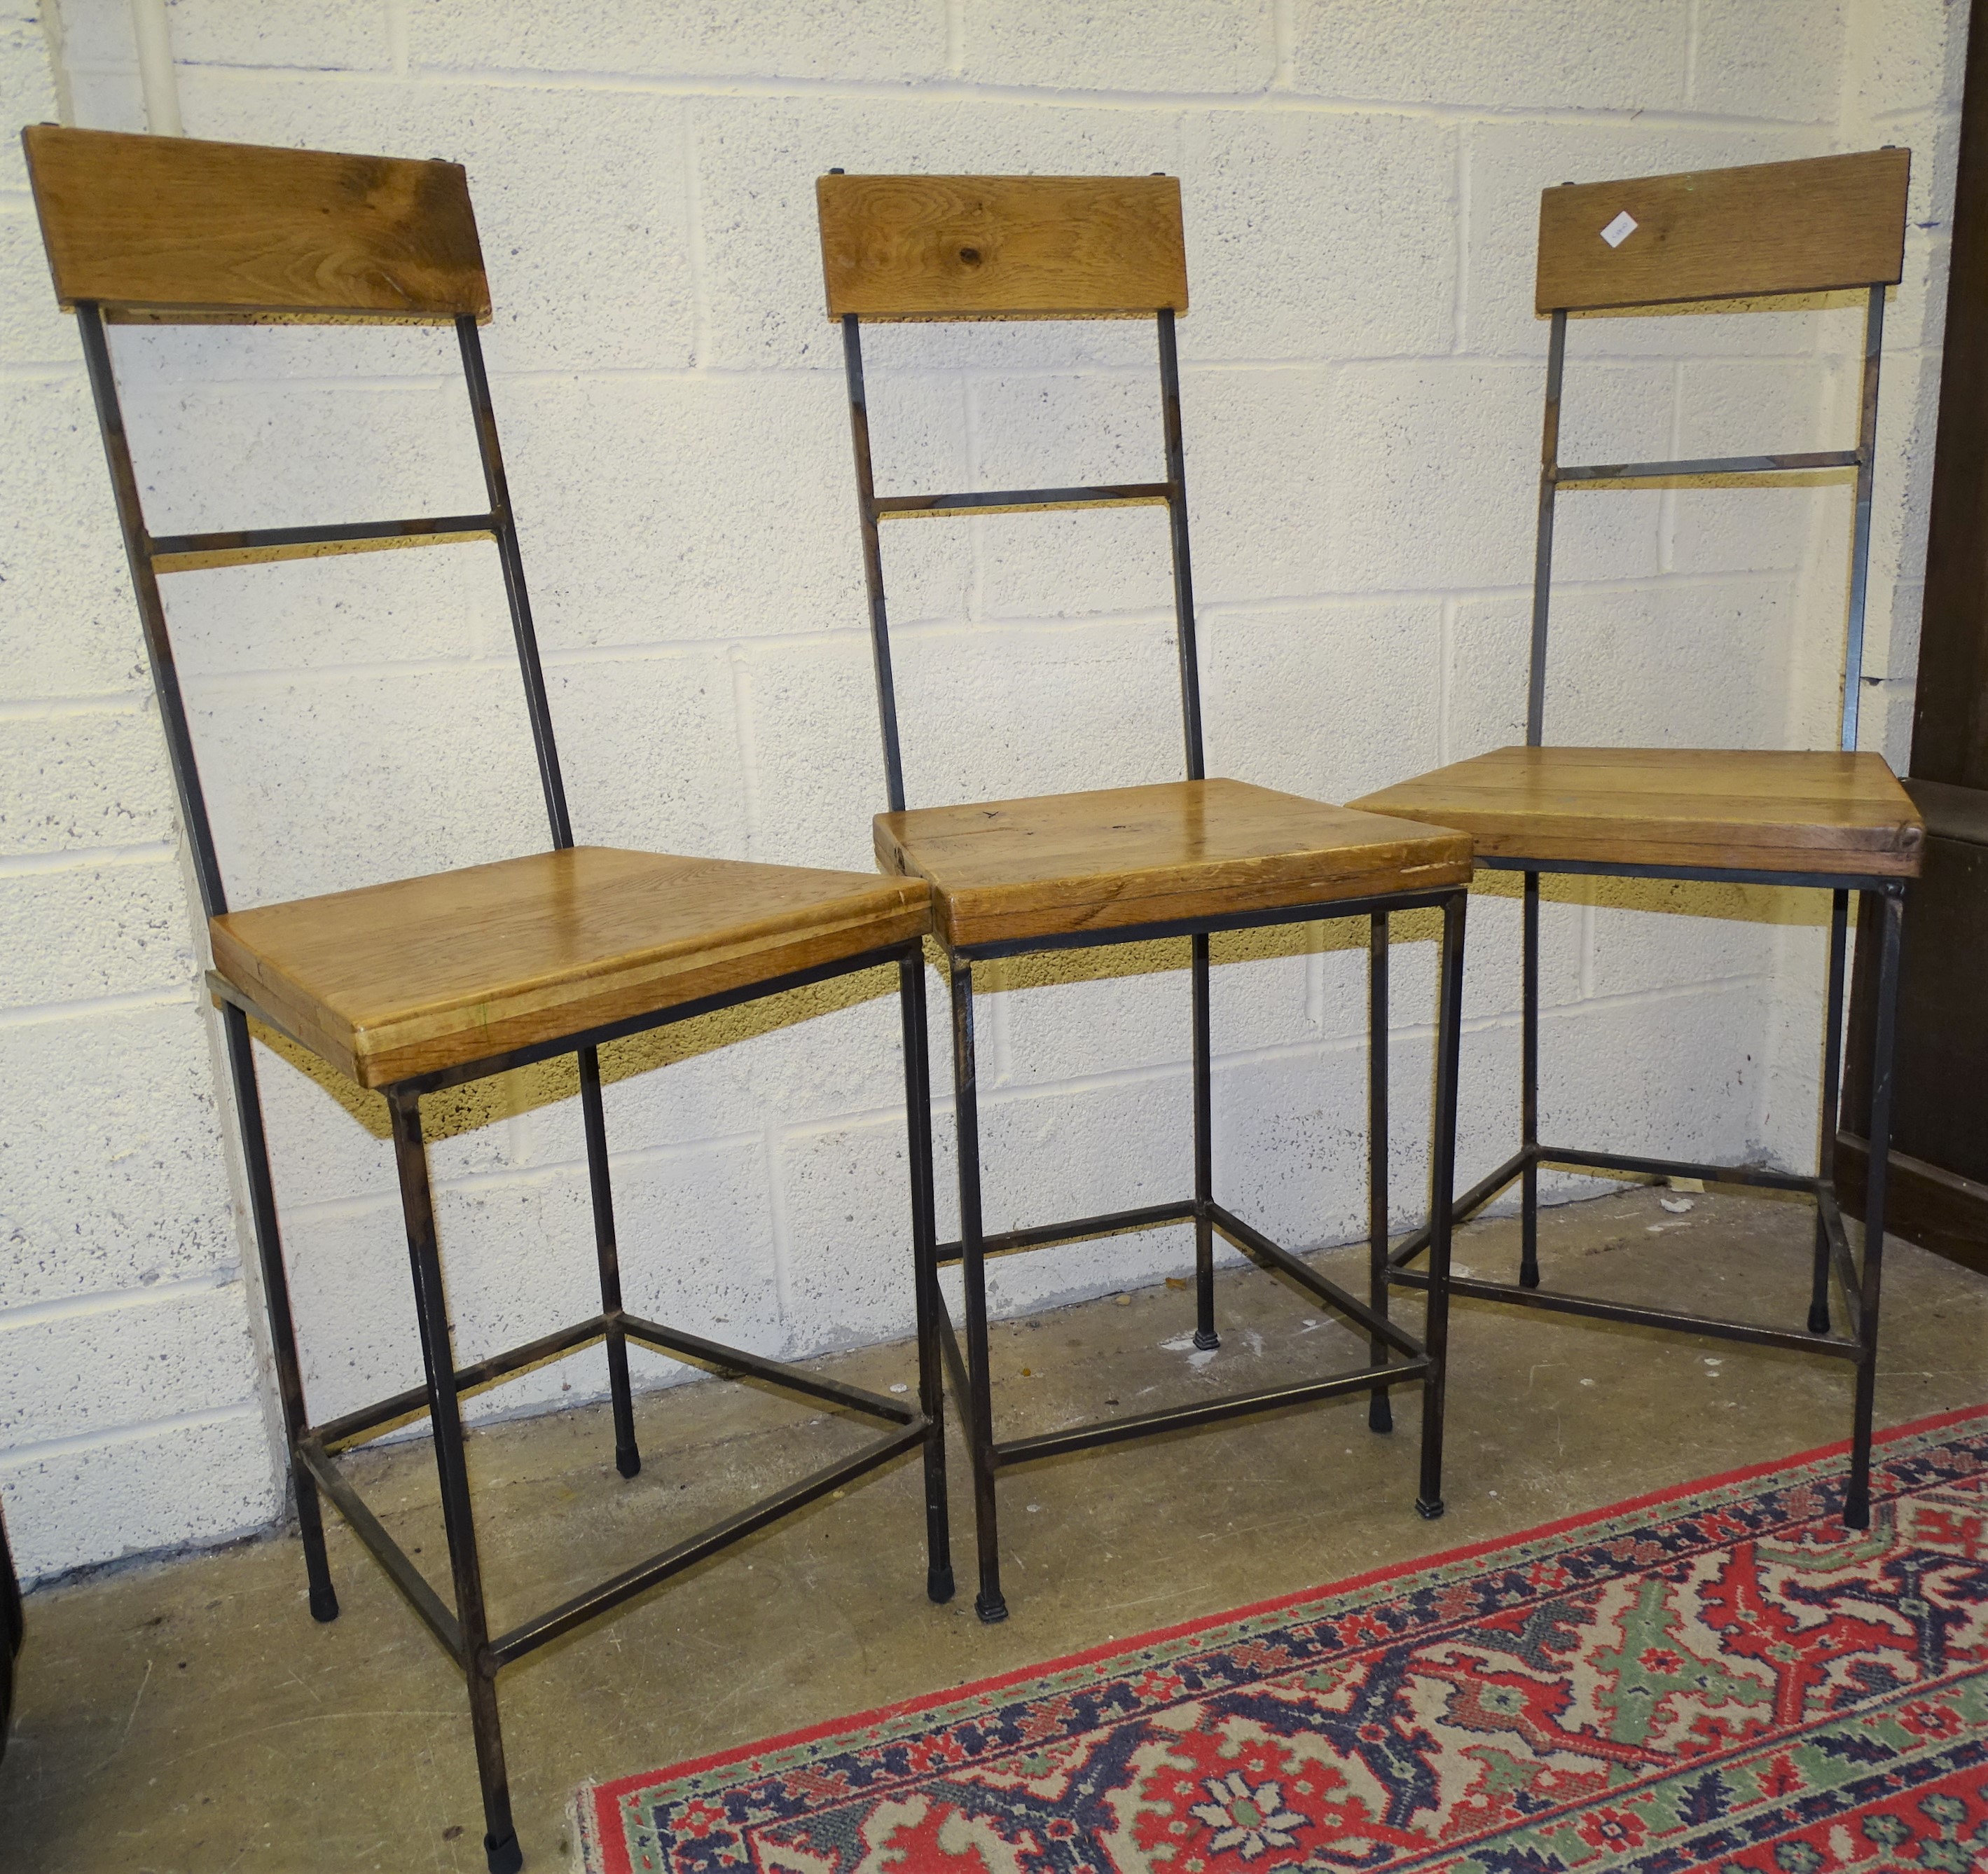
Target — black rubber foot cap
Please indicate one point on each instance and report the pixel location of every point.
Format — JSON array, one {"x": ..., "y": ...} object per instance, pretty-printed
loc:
[
  {"x": 505, "y": 1857},
  {"x": 1379, "y": 1415},
  {"x": 1818, "y": 1321},
  {"x": 992, "y": 1609},
  {"x": 1427, "y": 1510},
  {"x": 628, "y": 1462},
  {"x": 1528, "y": 1278},
  {"x": 1856, "y": 1514},
  {"x": 939, "y": 1585},
  {"x": 324, "y": 1603},
  {"x": 1208, "y": 1341}
]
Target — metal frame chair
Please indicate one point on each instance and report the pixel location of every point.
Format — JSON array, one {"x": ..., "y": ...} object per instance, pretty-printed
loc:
[
  {"x": 162, "y": 229},
  {"x": 975, "y": 248},
  {"x": 1842, "y": 823}
]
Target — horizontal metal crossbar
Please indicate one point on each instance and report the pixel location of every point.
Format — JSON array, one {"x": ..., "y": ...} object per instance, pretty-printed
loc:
[
  {"x": 1671, "y": 1320},
  {"x": 1025, "y": 500},
  {"x": 399, "y": 1567},
  {"x": 1709, "y": 874},
  {"x": 355, "y": 1427},
  {"x": 735, "y": 1363},
  {"x": 1840, "y": 1260},
  {"x": 1674, "y": 1168},
  {"x": 1206, "y": 1411},
  {"x": 1253, "y": 1242},
  {"x": 1008, "y": 1242},
  {"x": 188, "y": 553},
  {"x": 1717, "y": 465},
  {"x": 1473, "y": 1200},
  {"x": 586, "y": 1606},
  {"x": 1195, "y": 927}
]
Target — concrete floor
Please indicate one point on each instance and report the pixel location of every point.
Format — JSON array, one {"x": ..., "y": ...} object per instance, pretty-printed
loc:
[{"x": 189, "y": 1717}]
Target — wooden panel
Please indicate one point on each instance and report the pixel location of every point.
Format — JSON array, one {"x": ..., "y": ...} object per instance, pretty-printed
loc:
[
  {"x": 170, "y": 224},
  {"x": 1064, "y": 862},
  {"x": 1723, "y": 233},
  {"x": 1750, "y": 809},
  {"x": 398, "y": 979},
  {"x": 1002, "y": 247}
]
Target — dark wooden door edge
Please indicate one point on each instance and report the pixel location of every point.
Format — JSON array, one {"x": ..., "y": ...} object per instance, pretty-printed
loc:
[{"x": 1939, "y": 1210}]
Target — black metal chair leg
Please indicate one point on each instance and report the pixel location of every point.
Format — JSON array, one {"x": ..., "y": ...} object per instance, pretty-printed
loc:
[
  {"x": 1205, "y": 1336},
  {"x": 1529, "y": 1090},
  {"x": 1857, "y": 1499},
  {"x": 276, "y": 1300},
  {"x": 500, "y": 1838},
  {"x": 627, "y": 1457},
  {"x": 1380, "y": 1413},
  {"x": 1442, "y": 1179},
  {"x": 988, "y": 1603},
  {"x": 1832, "y": 1081},
  {"x": 925, "y": 1277}
]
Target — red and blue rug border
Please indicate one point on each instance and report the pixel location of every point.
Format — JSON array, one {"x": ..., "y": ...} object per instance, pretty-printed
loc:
[{"x": 601, "y": 1801}]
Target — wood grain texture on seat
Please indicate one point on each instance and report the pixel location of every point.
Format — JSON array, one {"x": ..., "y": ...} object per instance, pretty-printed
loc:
[
  {"x": 1063, "y": 863},
  {"x": 173, "y": 226},
  {"x": 395, "y": 980},
  {"x": 1002, "y": 247},
  {"x": 1748, "y": 810},
  {"x": 1810, "y": 226}
]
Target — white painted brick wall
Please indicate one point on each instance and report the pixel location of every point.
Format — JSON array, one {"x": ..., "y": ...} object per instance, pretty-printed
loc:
[{"x": 1361, "y": 383}]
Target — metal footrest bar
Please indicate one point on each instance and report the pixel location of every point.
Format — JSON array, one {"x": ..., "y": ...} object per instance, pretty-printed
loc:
[
  {"x": 1041, "y": 1236},
  {"x": 370, "y": 1421},
  {"x": 733, "y": 1363},
  {"x": 1472, "y": 1201},
  {"x": 625, "y": 1586},
  {"x": 399, "y": 1567},
  {"x": 1847, "y": 1279},
  {"x": 1205, "y": 1411},
  {"x": 1674, "y": 1168},
  {"x": 1253, "y": 1242},
  {"x": 1673, "y": 1321}
]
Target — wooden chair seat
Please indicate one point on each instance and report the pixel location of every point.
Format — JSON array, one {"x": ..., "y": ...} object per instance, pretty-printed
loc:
[
  {"x": 1747, "y": 810},
  {"x": 423, "y": 974},
  {"x": 1060, "y": 864}
]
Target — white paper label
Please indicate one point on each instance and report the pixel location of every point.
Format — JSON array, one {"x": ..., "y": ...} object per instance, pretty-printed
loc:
[{"x": 1620, "y": 229}]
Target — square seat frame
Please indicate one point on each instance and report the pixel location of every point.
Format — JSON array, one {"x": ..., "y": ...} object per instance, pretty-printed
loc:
[
  {"x": 1832, "y": 223},
  {"x": 84, "y": 182},
  {"x": 939, "y": 248}
]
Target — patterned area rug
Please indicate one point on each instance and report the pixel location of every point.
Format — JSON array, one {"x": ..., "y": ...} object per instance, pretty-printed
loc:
[{"x": 1720, "y": 1676}]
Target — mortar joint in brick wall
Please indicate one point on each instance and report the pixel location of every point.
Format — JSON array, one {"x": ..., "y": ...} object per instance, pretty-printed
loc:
[
  {"x": 956, "y": 91},
  {"x": 84, "y": 1008},
  {"x": 120, "y": 1301},
  {"x": 22, "y": 1457}
]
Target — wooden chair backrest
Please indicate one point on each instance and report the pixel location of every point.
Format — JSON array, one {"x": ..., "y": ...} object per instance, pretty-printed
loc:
[
  {"x": 1002, "y": 247},
  {"x": 1812, "y": 226},
  {"x": 171, "y": 228}
]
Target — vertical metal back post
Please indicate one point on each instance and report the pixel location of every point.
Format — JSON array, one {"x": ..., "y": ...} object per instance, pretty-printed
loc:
[
  {"x": 1190, "y": 664},
  {"x": 214, "y": 903},
  {"x": 1204, "y": 1335},
  {"x": 537, "y": 708},
  {"x": 1536, "y": 687},
  {"x": 873, "y": 561},
  {"x": 1536, "y": 712},
  {"x": 1860, "y": 539},
  {"x": 151, "y": 609},
  {"x": 506, "y": 529}
]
